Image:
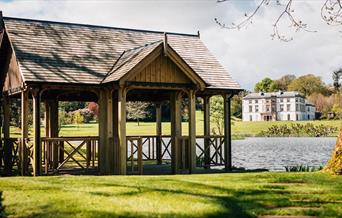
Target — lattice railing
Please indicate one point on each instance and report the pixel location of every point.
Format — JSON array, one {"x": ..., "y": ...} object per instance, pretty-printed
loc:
[{"x": 62, "y": 153}]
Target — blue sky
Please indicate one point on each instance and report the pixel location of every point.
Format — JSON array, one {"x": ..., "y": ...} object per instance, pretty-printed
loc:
[{"x": 248, "y": 54}]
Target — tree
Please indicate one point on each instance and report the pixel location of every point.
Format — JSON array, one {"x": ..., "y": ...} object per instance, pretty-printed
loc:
[
  {"x": 284, "y": 82},
  {"x": 265, "y": 85},
  {"x": 78, "y": 118},
  {"x": 137, "y": 110},
  {"x": 337, "y": 78},
  {"x": 217, "y": 114},
  {"x": 307, "y": 85}
]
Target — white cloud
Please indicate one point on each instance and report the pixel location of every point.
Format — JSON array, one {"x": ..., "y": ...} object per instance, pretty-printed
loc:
[{"x": 249, "y": 55}]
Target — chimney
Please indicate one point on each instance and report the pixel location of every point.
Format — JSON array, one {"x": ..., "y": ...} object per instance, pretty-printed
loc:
[{"x": 165, "y": 44}]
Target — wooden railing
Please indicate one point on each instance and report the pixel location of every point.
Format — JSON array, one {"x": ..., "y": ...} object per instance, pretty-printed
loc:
[
  {"x": 209, "y": 149},
  {"x": 70, "y": 152},
  {"x": 210, "y": 152},
  {"x": 9, "y": 158},
  {"x": 82, "y": 152}
]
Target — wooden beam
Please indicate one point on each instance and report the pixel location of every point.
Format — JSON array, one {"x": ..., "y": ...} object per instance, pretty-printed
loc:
[
  {"x": 159, "y": 132},
  {"x": 206, "y": 107},
  {"x": 24, "y": 132},
  {"x": 192, "y": 131},
  {"x": 227, "y": 133},
  {"x": 37, "y": 149},
  {"x": 176, "y": 130}
]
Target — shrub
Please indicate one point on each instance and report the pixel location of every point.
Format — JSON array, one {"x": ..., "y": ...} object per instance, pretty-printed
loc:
[
  {"x": 299, "y": 129},
  {"x": 302, "y": 168},
  {"x": 88, "y": 115}
]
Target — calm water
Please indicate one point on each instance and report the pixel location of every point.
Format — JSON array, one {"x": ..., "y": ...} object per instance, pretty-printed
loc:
[{"x": 275, "y": 153}]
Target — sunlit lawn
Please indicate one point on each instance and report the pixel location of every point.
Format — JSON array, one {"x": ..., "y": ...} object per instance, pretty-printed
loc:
[
  {"x": 239, "y": 128},
  {"x": 211, "y": 195}
]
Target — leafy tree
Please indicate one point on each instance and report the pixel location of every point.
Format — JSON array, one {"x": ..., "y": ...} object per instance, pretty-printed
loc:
[
  {"x": 236, "y": 103},
  {"x": 265, "y": 85},
  {"x": 284, "y": 82},
  {"x": 307, "y": 85},
  {"x": 137, "y": 110},
  {"x": 337, "y": 78},
  {"x": 68, "y": 106},
  {"x": 217, "y": 114},
  {"x": 78, "y": 118}
]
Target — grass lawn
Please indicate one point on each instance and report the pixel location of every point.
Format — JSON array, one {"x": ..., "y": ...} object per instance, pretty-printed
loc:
[
  {"x": 213, "y": 195},
  {"x": 239, "y": 128}
]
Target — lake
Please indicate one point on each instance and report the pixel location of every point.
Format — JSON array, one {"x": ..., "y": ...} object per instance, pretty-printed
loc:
[{"x": 275, "y": 153}]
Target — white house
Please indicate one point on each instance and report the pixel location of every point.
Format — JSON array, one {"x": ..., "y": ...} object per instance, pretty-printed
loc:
[{"x": 277, "y": 106}]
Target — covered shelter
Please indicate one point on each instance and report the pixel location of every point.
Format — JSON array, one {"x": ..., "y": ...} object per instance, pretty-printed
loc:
[{"x": 50, "y": 62}]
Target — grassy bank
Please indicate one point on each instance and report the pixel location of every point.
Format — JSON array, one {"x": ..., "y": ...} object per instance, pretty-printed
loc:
[
  {"x": 239, "y": 128},
  {"x": 214, "y": 195}
]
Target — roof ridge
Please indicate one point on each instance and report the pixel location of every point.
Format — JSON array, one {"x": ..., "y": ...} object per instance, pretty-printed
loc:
[
  {"x": 99, "y": 26},
  {"x": 111, "y": 71}
]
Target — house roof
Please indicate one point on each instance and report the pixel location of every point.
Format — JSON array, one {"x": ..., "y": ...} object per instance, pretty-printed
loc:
[
  {"x": 85, "y": 54},
  {"x": 279, "y": 94}
]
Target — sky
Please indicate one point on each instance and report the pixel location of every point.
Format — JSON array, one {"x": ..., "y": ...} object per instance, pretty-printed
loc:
[{"x": 248, "y": 54}]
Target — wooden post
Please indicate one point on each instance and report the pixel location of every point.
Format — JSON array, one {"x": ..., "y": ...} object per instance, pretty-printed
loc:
[
  {"x": 47, "y": 144},
  {"x": 7, "y": 142},
  {"x": 110, "y": 155},
  {"x": 121, "y": 120},
  {"x": 37, "y": 150},
  {"x": 192, "y": 131},
  {"x": 206, "y": 107},
  {"x": 227, "y": 133},
  {"x": 24, "y": 133},
  {"x": 102, "y": 162},
  {"x": 176, "y": 129},
  {"x": 158, "y": 133},
  {"x": 53, "y": 128},
  {"x": 1, "y": 144}
]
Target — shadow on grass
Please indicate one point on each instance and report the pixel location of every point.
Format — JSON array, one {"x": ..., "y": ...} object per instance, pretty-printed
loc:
[{"x": 242, "y": 200}]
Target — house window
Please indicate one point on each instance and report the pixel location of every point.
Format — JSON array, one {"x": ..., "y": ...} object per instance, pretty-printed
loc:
[
  {"x": 256, "y": 101},
  {"x": 288, "y": 117},
  {"x": 250, "y": 101},
  {"x": 250, "y": 109},
  {"x": 268, "y": 108},
  {"x": 281, "y": 100},
  {"x": 296, "y": 99},
  {"x": 288, "y": 100},
  {"x": 288, "y": 107},
  {"x": 281, "y": 107},
  {"x": 250, "y": 118},
  {"x": 297, "y": 107},
  {"x": 297, "y": 117},
  {"x": 256, "y": 108}
]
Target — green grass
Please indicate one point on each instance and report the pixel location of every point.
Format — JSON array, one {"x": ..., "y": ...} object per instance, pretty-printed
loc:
[
  {"x": 239, "y": 128},
  {"x": 214, "y": 195}
]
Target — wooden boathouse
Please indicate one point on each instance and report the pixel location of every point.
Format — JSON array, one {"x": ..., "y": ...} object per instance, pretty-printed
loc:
[{"x": 44, "y": 62}]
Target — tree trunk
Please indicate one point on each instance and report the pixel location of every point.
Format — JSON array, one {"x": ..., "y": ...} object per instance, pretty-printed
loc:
[{"x": 334, "y": 165}]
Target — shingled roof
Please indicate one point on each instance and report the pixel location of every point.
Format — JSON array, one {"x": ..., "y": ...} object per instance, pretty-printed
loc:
[{"x": 85, "y": 54}]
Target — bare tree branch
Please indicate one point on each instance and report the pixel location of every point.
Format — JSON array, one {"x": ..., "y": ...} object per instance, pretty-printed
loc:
[{"x": 331, "y": 13}]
